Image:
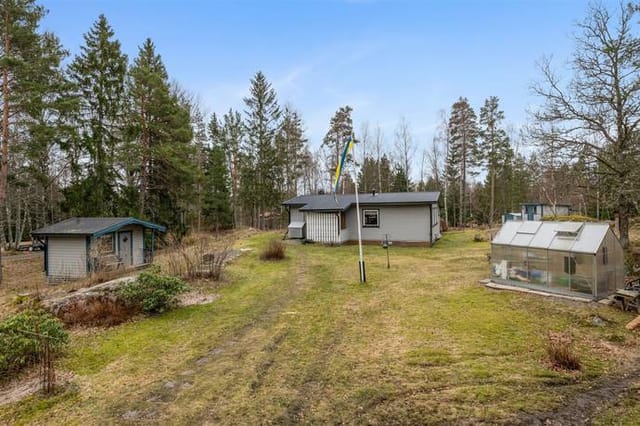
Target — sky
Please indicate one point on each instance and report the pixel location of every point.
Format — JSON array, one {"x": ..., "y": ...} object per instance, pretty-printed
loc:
[{"x": 386, "y": 59}]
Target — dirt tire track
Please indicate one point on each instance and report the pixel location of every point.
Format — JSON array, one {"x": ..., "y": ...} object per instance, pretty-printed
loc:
[
  {"x": 583, "y": 408},
  {"x": 167, "y": 391}
]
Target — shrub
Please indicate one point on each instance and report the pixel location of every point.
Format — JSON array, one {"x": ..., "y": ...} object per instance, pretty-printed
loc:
[
  {"x": 561, "y": 355},
  {"x": 19, "y": 347},
  {"x": 273, "y": 251},
  {"x": 570, "y": 218},
  {"x": 478, "y": 238},
  {"x": 153, "y": 292}
]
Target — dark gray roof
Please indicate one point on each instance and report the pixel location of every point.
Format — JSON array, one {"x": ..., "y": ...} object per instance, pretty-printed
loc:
[
  {"x": 95, "y": 226},
  {"x": 344, "y": 202}
]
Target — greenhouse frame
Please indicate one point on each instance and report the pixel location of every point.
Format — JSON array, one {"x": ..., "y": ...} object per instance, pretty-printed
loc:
[{"x": 581, "y": 259}]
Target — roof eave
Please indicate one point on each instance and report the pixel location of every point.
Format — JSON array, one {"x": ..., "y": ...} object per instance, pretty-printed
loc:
[{"x": 129, "y": 221}]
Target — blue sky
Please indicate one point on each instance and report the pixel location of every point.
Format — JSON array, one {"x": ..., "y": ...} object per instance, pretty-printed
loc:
[{"x": 386, "y": 59}]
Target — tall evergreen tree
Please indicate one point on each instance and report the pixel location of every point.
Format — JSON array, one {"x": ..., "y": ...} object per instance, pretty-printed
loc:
[
  {"x": 259, "y": 185},
  {"x": 340, "y": 128},
  {"x": 217, "y": 204},
  {"x": 34, "y": 95},
  {"x": 290, "y": 145},
  {"x": 99, "y": 72},
  {"x": 463, "y": 149},
  {"x": 230, "y": 135},
  {"x": 161, "y": 125},
  {"x": 493, "y": 145}
]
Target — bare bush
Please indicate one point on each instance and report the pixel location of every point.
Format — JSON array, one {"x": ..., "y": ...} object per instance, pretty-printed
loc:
[
  {"x": 275, "y": 250},
  {"x": 561, "y": 354},
  {"x": 202, "y": 258}
]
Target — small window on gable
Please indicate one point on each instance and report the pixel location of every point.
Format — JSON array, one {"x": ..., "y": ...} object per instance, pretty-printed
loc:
[
  {"x": 569, "y": 265},
  {"x": 371, "y": 218},
  {"x": 605, "y": 256}
]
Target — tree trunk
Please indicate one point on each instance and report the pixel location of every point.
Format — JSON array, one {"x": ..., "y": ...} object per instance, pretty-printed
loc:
[
  {"x": 623, "y": 225},
  {"x": 493, "y": 195},
  {"x": 4, "y": 161}
]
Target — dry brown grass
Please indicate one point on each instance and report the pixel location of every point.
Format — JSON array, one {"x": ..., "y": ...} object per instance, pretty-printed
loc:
[
  {"x": 275, "y": 250},
  {"x": 25, "y": 277},
  {"x": 199, "y": 256},
  {"x": 561, "y": 353},
  {"x": 97, "y": 311}
]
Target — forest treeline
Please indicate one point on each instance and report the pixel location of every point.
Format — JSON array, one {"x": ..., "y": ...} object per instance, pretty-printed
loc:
[{"x": 101, "y": 134}]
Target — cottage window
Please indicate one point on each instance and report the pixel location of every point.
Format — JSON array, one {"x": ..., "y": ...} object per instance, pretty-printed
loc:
[
  {"x": 371, "y": 218},
  {"x": 605, "y": 256},
  {"x": 569, "y": 265},
  {"x": 343, "y": 220}
]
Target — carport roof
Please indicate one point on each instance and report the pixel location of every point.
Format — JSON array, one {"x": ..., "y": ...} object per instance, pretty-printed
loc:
[{"x": 93, "y": 226}]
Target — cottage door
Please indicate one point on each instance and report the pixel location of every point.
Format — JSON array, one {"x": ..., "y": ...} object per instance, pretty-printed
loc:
[{"x": 125, "y": 243}]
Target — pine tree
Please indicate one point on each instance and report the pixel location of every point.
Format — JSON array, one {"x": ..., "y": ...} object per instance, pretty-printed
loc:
[
  {"x": 32, "y": 99},
  {"x": 493, "y": 146},
  {"x": 400, "y": 181},
  {"x": 161, "y": 125},
  {"x": 217, "y": 205},
  {"x": 259, "y": 181},
  {"x": 290, "y": 145},
  {"x": 463, "y": 150},
  {"x": 199, "y": 161},
  {"x": 99, "y": 72},
  {"x": 340, "y": 128},
  {"x": 230, "y": 136}
]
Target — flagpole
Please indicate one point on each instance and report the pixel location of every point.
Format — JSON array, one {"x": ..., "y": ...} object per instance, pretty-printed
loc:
[{"x": 363, "y": 274}]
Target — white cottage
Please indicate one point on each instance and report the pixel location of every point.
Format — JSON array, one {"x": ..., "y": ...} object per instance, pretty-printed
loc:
[
  {"x": 76, "y": 247},
  {"x": 404, "y": 217}
]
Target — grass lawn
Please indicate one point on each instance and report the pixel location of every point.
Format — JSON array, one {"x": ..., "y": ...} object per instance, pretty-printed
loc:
[{"x": 302, "y": 341}]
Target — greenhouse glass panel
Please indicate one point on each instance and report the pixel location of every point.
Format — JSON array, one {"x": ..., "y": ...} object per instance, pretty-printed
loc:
[
  {"x": 537, "y": 261},
  {"x": 517, "y": 264},
  {"x": 582, "y": 276},
  {"x": 560, "y": 267},
  {"x": 499, "y": 261}
]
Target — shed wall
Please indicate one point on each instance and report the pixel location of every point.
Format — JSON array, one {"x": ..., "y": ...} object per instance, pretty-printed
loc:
[
  {"x": 67, "y": 257},
  {"x": 138, "y": 243}
]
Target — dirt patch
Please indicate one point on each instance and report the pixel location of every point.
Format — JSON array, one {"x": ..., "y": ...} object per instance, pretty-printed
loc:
[
  {"x": 29, "y": 384},
  {"x": 586, "y": 405},
  {"x": 196, "y": 297}
]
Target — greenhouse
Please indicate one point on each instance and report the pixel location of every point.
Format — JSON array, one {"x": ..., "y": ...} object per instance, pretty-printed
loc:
[{"x": 572, "y": 258}]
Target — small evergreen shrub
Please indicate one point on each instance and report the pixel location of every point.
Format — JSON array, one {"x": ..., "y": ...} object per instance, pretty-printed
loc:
[
  {"x": 18, "y": 347},
  {"x": 275, "y": 250},
  {"x": 153, "y": 292}
]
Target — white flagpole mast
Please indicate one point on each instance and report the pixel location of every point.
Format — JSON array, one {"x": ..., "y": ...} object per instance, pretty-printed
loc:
[{"x": 363, "y": 274}]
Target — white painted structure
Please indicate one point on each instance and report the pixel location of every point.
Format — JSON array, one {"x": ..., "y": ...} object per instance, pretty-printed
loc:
[
  {"x": 77, "y": 247},
  {"x": 412, "y": 218}
]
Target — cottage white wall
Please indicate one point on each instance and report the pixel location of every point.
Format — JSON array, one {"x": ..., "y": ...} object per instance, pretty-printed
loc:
[
  {"x": 296, "y": 214},
  {"x": 323, "y": 227},
  {"x": 402, "y": 223},
  {"x": 67, "y": 257}
]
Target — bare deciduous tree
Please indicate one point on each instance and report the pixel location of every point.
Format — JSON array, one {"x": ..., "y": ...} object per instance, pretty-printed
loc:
[{"x": 598, "y": 111}]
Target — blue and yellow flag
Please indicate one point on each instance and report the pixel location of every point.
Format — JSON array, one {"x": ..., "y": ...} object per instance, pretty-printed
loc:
[{"x": 340, "y": 166}]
